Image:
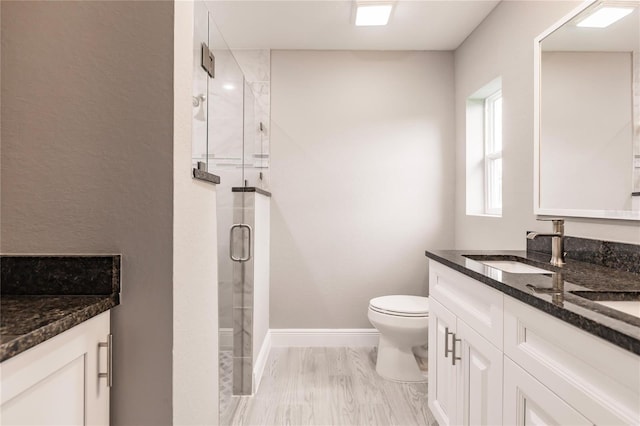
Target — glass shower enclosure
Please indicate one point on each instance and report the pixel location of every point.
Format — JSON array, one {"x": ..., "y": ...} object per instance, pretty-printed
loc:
[{"x": 228, "y": 141}]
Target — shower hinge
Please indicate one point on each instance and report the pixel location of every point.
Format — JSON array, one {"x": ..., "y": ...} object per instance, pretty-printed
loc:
[{"x": 208, "y": 61}]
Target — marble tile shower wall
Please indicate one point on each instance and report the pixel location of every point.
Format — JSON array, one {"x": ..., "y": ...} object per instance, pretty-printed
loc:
[
  {"x": 243, "y": 279},
  {"x": 256, "y": 67}
]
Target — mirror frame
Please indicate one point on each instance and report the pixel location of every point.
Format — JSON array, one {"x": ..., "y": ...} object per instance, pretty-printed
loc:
[{"x": 537, "y": 209}]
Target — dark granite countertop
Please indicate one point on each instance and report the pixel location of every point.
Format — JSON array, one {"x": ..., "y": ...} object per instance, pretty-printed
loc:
[
  {"x": 619, "y": 328},
  {"x": 45, "y": 295},
  {"x": 26, "y": 321}
]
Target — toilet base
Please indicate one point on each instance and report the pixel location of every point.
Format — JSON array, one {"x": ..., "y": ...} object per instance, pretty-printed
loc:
[{"x": 397, "y": 363}]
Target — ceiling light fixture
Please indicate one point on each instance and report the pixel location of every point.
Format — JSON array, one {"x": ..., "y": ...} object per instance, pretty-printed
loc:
[
  {"x": 373, "y": 14},
  {"x": 604, "y": 16}
]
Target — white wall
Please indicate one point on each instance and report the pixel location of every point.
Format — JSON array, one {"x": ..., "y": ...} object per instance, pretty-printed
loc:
[
  {"x": 362, "y": 148},
  {"x": 503, "y": 46},
  {"x": 261, "y": 264},
  {"x": 195, "y": 266},
  {"x": 87, "y": 167}
]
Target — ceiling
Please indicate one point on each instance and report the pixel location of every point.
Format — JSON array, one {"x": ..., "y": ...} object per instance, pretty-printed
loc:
[
  {"x": 622, "y": 36},
  {"x": 328, "y": 24}
]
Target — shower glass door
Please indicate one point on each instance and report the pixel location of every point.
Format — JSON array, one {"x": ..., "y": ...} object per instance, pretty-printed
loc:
[
  {"x": 225, "y": 158},
  {"x": 227, "y": 132}
]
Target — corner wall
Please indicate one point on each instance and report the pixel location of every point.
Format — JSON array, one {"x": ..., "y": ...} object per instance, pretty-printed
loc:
[
  {"x": 503, "y": 46},
  {"x": 362, "y": 148},
  {"x": 195, "y": 253},
  {"x": 87, "y": 167}
]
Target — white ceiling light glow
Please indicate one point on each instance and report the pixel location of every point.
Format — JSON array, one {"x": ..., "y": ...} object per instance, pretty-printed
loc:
[
  {"x": 604, "y": 16},
  {"x": 373, "y": 14}
]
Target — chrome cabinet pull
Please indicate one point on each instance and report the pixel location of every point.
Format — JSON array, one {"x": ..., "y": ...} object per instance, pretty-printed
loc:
[
  {"x": 109, "y": 374},
  {"x": 446, "y": 342},
  {"x": 453, "y": 350},
  {"x": 239, "y": 259}
]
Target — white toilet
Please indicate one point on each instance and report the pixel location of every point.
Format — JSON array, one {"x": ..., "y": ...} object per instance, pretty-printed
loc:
[{"x": 403, "y": 323}]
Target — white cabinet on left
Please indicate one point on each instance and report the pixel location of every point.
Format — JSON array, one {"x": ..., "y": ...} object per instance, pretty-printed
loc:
[
  {"x": 60, "y": 381},
  {"x": 465, "y": 381}
]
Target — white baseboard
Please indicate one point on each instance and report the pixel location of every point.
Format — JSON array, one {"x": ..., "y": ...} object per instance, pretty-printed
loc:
[
  {"x": 261, "y": 361},
  {"x": 226, "y": 338},
  {"x": 324, "y": 337}
]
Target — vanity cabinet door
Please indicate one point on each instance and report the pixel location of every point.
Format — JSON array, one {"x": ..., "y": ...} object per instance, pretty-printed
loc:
[
  {"x": 56, "y": 382},
  {"x": 442, "y": 372},
  {"x": 56, "y": 399},
  {"x": 529, "y": 402},
  {"x": 600, "y": 380},
  {"x": 480, "y": 379}
]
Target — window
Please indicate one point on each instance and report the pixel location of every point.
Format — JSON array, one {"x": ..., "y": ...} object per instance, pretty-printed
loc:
[
  {"x": 484, "y": 151},
  {"x": 493, "y": 154}
]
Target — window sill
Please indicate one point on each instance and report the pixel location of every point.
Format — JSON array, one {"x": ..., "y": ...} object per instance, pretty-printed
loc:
[{"x": 485, "y": 215}]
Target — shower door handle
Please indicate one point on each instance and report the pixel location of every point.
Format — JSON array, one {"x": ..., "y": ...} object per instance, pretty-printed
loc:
[{"x": 240, "y": 226}]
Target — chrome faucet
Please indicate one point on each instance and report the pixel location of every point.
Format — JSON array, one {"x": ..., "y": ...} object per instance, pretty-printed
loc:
[{"x": 557, "y": 242}]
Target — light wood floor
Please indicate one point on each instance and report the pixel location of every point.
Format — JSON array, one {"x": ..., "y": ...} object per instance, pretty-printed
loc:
[{"x": 329, "y": 386}]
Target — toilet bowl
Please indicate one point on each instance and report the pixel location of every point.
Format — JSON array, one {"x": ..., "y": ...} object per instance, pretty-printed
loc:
[{"x": 403, "y": 322}]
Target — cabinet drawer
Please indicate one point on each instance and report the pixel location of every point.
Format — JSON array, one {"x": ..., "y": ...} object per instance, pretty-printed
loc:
[
  {"x": 475, "y": 303},
  {"x": 599, "y": 379}
]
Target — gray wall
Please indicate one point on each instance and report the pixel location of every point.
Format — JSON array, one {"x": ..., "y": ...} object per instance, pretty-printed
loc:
[
  {"x": 87, "y": 163},
  {"x": 503, "y": 46},
  {"x": 362, "y": 180},
  {"x": 587, "y": 124}
]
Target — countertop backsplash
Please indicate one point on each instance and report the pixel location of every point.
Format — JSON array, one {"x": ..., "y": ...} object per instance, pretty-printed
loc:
[{"x": 622, "y": 256}]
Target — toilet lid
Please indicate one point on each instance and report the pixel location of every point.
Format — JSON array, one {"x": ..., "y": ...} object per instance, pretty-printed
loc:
[{"x": 401, "y": 305}]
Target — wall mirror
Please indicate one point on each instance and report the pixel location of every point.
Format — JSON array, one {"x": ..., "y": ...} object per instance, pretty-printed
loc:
[{"x": 587, "y": 113}]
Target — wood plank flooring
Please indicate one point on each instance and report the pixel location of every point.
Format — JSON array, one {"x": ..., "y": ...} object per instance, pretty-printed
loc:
[{"x": 331, "y": 387}]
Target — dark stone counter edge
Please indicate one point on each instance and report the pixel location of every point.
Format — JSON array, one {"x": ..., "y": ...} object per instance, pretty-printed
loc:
[
  {"x": 206, "y": 176},
  {"x": 586, "y": 324},
  {"x": 27, "y": 341},
  {"x": 250, "y": 189}
]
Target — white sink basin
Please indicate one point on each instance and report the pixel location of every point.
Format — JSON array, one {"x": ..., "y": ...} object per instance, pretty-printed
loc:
[
  {"x": 514, "y": 267},
  {"x": 631, "y": 307}
]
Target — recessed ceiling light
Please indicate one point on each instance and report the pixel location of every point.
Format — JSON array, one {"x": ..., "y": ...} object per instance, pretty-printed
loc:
[
  {"x": 604, "y": 16},
  {"x": 373, "y": 15},
  {"x": 228, "y": 86}
]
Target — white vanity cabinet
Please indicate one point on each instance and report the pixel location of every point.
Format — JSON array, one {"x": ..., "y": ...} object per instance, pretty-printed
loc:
[
  {"x": 57, "y": 382},
  {"x": 599, "y": 380},
  {"x": 519, "y": 365},
  {"x": 442, "y": 372},
  {"x": 465, "y": 380}
]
